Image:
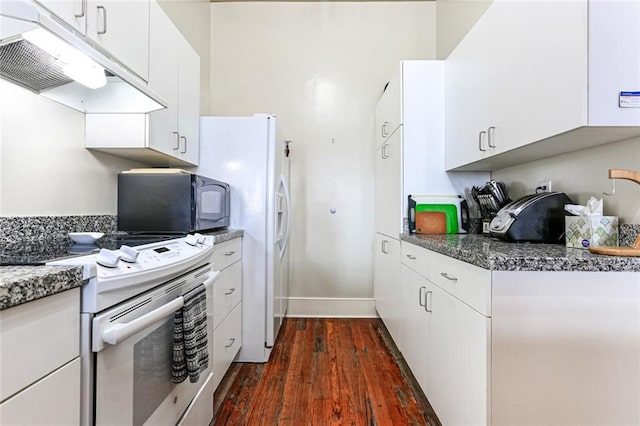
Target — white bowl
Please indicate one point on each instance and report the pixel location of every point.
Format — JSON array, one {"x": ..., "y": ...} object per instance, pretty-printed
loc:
[{"x": 85, "y": 237}]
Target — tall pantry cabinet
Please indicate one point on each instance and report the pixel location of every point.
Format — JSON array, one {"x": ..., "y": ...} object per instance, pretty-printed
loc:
[{"x": 409, "y": 159}]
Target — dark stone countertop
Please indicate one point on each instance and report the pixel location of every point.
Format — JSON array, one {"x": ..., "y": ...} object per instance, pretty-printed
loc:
[
  {"x": 496, "y": 255},
  {"x": 23, "y": 283}
]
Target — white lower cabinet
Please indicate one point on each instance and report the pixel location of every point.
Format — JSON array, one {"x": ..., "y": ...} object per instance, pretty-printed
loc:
[
  {"x": 565, "y": 348},
  {"x": 414, "y": 322},
  {"x": 386, "y": 287},
  {"x": 520, "y": 347},
  {"x": 227, "y": 303},
  {"x": 459, "y": 348},
  {"x": 445, "y": 342},
  {"x": 39, "y": 361},
  {"x": 54, "y": 400}
]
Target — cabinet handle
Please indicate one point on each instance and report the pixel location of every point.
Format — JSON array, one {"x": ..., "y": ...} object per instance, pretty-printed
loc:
[
  {"x": 231, "y": 342},
  {"x": 384, "y": 129},
  {"x": 385, "y": 155},
  {"x": 490, "y": 131},
  {"x": 184, "y": 138},
  {"x": 230, "y": 253},
  {"x": 444, "y": 274},
  {"x": 420, "y": 296},
  {"x": 412, "y": 257},
  {"x": 426, "y": 301},
  {"x": 104, "y": 19},
  {"x": 384, "y": 246},
  {"x": 230, "y": 291},
  {"x": 83, "y": 11},
  {"x": 177, "y": 141},
  {"x": 480, "y": 141}
]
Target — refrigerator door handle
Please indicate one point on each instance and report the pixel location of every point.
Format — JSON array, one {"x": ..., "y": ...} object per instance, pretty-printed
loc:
[{"x": 285, "y": 240}]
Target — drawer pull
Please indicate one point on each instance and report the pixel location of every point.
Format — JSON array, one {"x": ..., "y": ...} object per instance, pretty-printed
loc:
[
  {"x": 444, "y": 274},
  {"x": 412, "y": 257},
  {"x": 230, "y": 291},
  {"x": 230, "y": 253},
  {"x": 231, "y": 342}
]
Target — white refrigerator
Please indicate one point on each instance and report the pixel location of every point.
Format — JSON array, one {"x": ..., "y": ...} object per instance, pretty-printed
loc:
[{"x": 249, "y": 154}]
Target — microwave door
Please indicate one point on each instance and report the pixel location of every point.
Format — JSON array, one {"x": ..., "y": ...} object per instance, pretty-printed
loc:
[{"x": 211, "y": 207}]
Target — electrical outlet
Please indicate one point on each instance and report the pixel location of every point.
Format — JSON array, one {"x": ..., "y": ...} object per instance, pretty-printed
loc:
[{"x": 544, "y": 186}]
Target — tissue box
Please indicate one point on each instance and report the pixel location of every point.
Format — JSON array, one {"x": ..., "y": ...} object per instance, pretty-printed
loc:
[{"x": 586, "y": 231}]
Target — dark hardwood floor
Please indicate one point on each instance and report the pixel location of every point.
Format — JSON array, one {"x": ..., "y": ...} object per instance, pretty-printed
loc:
[{"x": 325, "y": 372}]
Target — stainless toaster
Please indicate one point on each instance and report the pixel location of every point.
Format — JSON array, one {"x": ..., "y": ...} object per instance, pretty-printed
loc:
[{"x": 535, "y": 218}]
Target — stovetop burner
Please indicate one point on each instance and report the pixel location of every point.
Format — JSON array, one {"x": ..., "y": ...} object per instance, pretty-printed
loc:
[{"x": 37, "y": 253}]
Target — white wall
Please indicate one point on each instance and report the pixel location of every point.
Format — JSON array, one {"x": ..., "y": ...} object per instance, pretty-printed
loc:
[
  {"x": 320, "y": 67},
  {"x": 584, "y": 174},
  {"x": 44, "y": 167},
  {"x": 454, "y": 19}
]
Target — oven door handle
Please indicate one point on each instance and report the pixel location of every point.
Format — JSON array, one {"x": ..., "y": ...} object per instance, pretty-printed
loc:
[
  {"x": 120, "y": 331},
  {"x": 116, "y": 333},
  {"x": 212, "y": 278}
]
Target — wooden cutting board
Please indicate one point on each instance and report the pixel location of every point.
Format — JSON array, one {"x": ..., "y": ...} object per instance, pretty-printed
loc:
[
  {"x": 431, "y": 223},
  {"x": 634, "y": 250}
]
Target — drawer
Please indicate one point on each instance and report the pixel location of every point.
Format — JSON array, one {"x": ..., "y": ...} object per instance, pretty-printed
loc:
[
  {"x": 415, "y": 257},
  {"x": 470, "y": 284},
  {"x": 37, "y": 338},
  {"x": 227, "y": 253},
  {"x": 54, "y": 400},
  {"x": 227, "y": 292},
  {"x": 227, "y": 339}
]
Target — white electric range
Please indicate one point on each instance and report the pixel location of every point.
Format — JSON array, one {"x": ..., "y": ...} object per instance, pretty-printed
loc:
[{"x": 127, "y": 323}]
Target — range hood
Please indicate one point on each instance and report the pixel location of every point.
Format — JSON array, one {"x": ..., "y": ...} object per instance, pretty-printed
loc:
[{"x": 26, "y": 64}]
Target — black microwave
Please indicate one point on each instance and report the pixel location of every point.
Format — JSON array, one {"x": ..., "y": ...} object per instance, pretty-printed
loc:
[{"x": 165, "y": 202}]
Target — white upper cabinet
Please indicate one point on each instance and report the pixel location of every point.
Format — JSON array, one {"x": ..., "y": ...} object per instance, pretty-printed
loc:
[
  {"x": 174, "y": 74},
  {"x": 389, "y": 109},
  {"x": 71, "y": 12},
  {"x": 533, "y": 79},
  {"x": 167, "y": 137},
  {"x": 121, "y": 27},
  {"x": 388, "y": 184}
]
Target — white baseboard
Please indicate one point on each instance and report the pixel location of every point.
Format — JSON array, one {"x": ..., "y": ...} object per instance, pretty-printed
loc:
[{"x": 331, "y": 307}]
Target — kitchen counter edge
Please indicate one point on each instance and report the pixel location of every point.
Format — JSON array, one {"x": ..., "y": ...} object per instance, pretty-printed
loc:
[
  {"x": 490, "y": 253},
  {"x": 22, "y": 284}
]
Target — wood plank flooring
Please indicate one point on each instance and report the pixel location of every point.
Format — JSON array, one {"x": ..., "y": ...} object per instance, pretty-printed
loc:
[{"x": 325, "y": 372}]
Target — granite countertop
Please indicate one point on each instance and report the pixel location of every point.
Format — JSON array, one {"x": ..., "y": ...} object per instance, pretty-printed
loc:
[
  {"x": 24, "y": 283},
  {"x": 490, "y": 253}
]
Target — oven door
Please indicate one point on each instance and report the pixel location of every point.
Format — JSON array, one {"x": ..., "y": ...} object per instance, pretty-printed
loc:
[{"x": 133, "y": 380}]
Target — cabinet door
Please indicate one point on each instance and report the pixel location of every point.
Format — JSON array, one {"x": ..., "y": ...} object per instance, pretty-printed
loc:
[
  {"x": 73, "y": 12},
  {"x": 122, "y": 28},
  {"x": 188, "y": 102},
  {"x": 458, "y": 370},
  {"x": 531, "y": 97},
  {"x": 386, "y": 290},
  {"x": 389, "y": 109},
  {"x": 414, "y": 323},
  {"x": 163, "y": 79},
  {"x": 388, "y": 190},
  {"x": 467, "y": 118}
]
